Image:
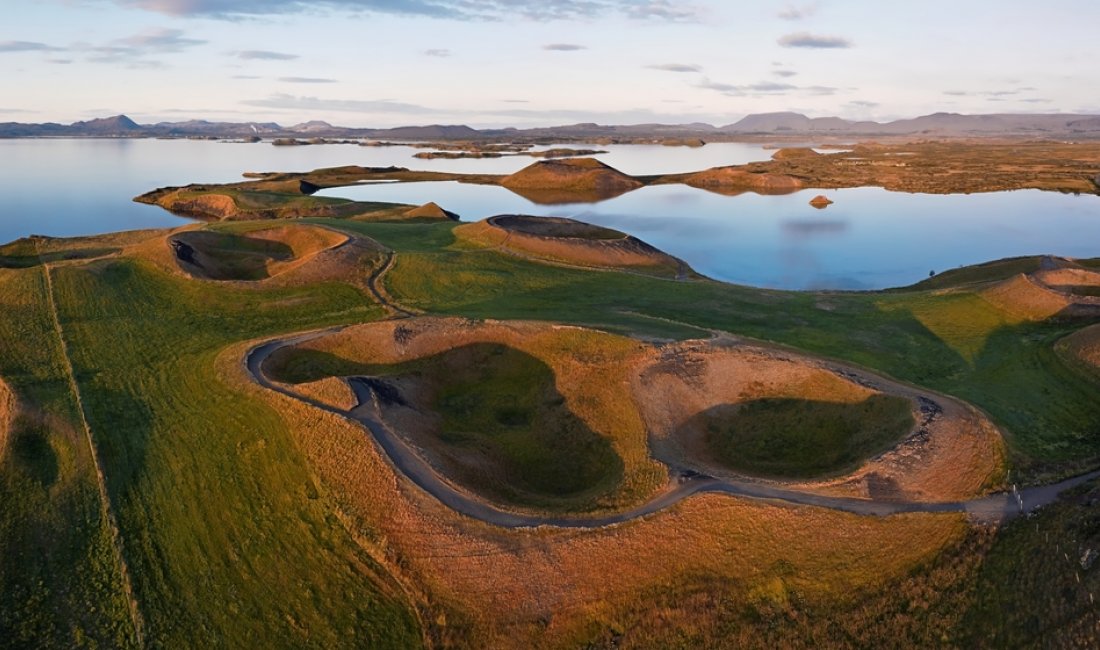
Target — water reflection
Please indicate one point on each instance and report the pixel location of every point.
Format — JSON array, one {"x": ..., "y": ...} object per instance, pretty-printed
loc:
[{"x": 868, "y": 238}]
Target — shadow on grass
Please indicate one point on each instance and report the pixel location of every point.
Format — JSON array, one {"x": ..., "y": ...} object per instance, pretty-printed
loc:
[
  {"x": 801, "y": 438},
  {"x": 502, "y": 426}
]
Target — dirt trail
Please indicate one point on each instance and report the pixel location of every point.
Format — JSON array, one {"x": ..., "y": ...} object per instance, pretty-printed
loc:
[
  {"x": 101, "y": 483},
  {"x": 682, "y": 483}
]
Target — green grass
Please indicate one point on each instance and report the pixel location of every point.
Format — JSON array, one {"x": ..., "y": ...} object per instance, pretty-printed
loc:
[
  {"x": 22, "y": 254},
  {"x": 795, "y": 438},
  {"x": 505, "y": 429},
  {"x": 1086, "y": 290},
  {"x": 987, "y": 272},
  {"x": 954, "y": 341},
  {"x": 60, "y": 585},
  {"x": 1032, "y": 590},
  {"x": 224, "y": 532}
]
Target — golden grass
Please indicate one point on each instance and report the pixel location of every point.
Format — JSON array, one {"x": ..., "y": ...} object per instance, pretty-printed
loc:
[
  {"x": 962, "y": 454},
  {"x": 331, "y": 391},
  {"x": 8, "y": 408},
  {"x": 481, "y": 586},
  {"x": 734, "y": 180},
  {"x": 1084, "y": 345},
  {"x": 964, "y": 320},
  {"x": 571, "y": 174},
  {"x": 591, "y": 372},
  {"x": 625, "y": 253},
  {"x": 257, "y": 254},
  {"x": 1022, "y": 299},
  {"x": 322, "y": 255},
  {"x": 683, "y": 381}
]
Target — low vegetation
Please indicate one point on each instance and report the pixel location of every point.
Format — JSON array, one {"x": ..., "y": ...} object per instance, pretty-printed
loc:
[
  {"x": 245, "y": 520},
  {"x": 503, "y": 428},
  {"x": 802, "y": 438}
]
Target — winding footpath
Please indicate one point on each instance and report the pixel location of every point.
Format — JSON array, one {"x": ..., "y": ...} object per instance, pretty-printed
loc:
[
  {"x": 682, "y": 484},
  {"x": 993, "y": 508}
]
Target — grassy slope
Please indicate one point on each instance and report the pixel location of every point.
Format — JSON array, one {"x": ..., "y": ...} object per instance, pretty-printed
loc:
[
  {"x": 59, "y": 582},
  {"x": 1006, "y": 367},
  {"x": 225, "y": 535}
]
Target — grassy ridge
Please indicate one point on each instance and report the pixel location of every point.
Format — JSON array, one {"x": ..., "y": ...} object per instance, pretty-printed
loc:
[
  {"x": 217, "y": 510},
  {"x": 59, "y": 582},
  {"x": 1005, "y": 366}
]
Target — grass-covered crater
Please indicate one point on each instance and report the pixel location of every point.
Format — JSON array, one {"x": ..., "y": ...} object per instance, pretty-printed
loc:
[
  {"x": 486, "y": 414},
  {"x": 803, "y": 438}
]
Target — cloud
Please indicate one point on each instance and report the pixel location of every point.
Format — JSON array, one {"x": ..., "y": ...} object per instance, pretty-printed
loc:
[
  {"x": 806, "y": 39},
  {"x": 437, "y": 52},
  {"x": 863, "y": 103},
  {"x": 131, "y": 49},
  {"x": 728, "y": 89},
  {"x": 401, "y": 111},
  {"x": 307, "y": 80},
  {"x": 764, "y": 88},
  {"x": 159, "y": 40},
  {"x": 542, "y": 10},
  {"x": 516, "y": 101},
  {"x": 245, "y": 76},
  {"x": 675, "y": 67},
  {"x": 563, "y": 47},
  {"x": 264, "y": 55},
  {"x": 27, "y": 46},
  {"x": 791, "y": 12},
  {"x": 784, "y": 73},
  {"x": 770, "y": 87},
  {"x": 1006, "y": 92},
  {"x": 663, "y": 10}
]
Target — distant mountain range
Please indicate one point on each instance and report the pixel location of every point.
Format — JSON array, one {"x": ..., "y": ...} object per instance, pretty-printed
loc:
[{"x": 763, "y": 124}]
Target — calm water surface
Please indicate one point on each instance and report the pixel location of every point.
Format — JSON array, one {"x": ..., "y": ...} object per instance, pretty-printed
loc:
[{"x": 869, "y": 238}]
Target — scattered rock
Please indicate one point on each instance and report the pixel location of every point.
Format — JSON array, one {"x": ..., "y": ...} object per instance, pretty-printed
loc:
[{"x": 820, "y": 201}]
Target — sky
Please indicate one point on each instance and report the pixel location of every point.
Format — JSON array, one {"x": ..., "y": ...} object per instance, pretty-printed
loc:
[{"x": 493, "y": 63}]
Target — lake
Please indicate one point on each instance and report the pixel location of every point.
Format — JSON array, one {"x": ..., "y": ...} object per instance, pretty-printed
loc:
[{"x": 868, "y": 239}]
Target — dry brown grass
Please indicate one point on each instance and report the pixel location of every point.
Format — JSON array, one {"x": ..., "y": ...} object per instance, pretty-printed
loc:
[
  {"x": 255, "y": 255},
  {"x": 1023, "y": 299},
  {"x": 624, "y": 253},
  {"x": 8, "y": 408},
  {"x": 684, "y": 380},
  {"x": 1084, "y": 345},
  {"x": 734, "y": 180},
  {"x": 487, "y": 587},
  {"x": 591, "y": 371},
  {"x": 430, "y": 210},
  {"x": 331, "y": 391},
  {"x": 960, "y": 455},
  {"x": 574, "y": 173},
  {"x": 318, "y": 255}
]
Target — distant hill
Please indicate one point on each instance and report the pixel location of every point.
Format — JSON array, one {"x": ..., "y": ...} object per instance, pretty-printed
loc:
[{"x": 942, "y": 125}]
